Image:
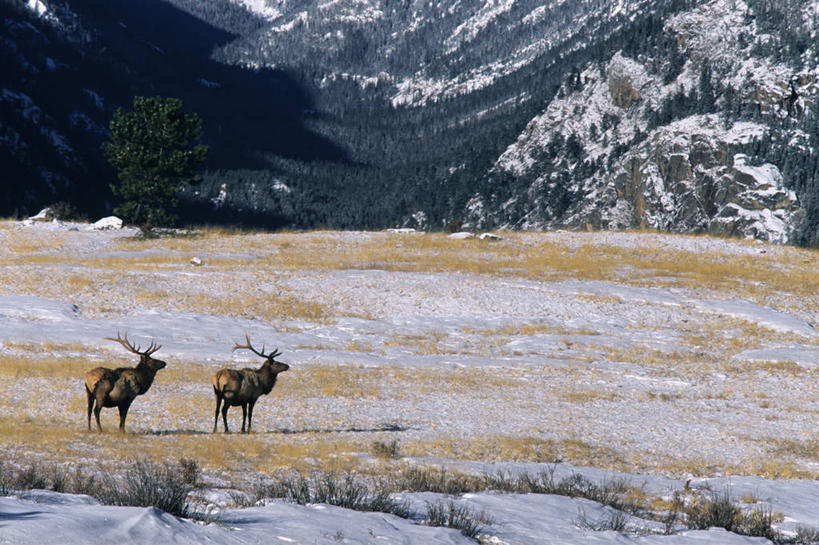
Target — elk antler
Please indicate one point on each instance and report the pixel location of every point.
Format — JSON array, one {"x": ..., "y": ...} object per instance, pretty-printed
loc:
[
  {"x": 248, "y": 346},
  {"x": 130, "y": 347}
]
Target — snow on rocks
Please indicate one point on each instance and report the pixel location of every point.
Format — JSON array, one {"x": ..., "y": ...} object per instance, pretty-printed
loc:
[
  {"x": 43, "y": 215},
  {"x": 465, "y": 235},
  {"x": 107, "y": 224}
]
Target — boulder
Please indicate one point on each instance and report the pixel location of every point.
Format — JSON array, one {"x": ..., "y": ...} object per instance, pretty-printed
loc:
[{"x": 110, "y": 223}]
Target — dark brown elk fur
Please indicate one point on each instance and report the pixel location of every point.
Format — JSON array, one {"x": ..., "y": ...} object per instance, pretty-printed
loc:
[
  {"x": 242, "y": 387},
  {"x": 119, "y": 387}
]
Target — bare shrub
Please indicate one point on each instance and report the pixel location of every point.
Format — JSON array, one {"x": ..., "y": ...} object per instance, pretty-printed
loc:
[
  {"x": 459, "y": 517},
  {"x": 147, "y": 484},
  {"x": 31, "y": 477},
  {"x": 716, "y": 510},
  {"x": 616, "y": 521},
  {"x": 387, "y": 451},
  {"x": 415, "y": 479},
  {"x": 719, "y": 510},
  {"x": 806, "y": 536},
  {"x": 190, "y": 471},
  {"x": 348, "y": 491},
  {"x": 759, "y": 523},
  {"x": 613, "y": 492},
  {"x": 5, "y": 480}
]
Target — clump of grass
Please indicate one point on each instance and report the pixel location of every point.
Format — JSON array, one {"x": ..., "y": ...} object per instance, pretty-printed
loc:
[
  {"x": 719, "y": 510},
  {"x": 806, "y": 536},
  {"x": 616, "y": 521},
  {"x": 385, "y": 450},
  {"x": 144, "y": 484},
  {"x": 419, "y": 479},
  {"x": 458, "y": 517},
  {"x": 189, "y": 471},
  {"x": 149, "y": 484},
  {"x": 715, "y": 511},
  {"x": 614, "y": 492},
  {"x": 348, "y": 491}
]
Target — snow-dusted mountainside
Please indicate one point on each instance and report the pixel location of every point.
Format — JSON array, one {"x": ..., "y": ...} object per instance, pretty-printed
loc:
[
  {"x": 679, "y": 115},
  {"x": 691, "y": 173}
]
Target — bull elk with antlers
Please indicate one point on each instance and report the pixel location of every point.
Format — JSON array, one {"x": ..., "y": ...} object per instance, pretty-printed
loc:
[
  {"x": 244, "y": 386},
  {"x": 119, "y": 387}
]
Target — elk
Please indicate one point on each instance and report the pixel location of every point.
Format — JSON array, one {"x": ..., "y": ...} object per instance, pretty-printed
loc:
[
  {"x": 119, "y": 387},
  {"x": 244, "y": 386}
]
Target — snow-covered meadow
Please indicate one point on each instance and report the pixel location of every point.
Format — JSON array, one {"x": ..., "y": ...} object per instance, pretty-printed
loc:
[{"x": 674, "y": 362}]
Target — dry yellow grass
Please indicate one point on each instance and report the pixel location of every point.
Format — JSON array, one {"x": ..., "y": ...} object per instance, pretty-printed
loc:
[
  {"x": 255, "y": 266},
  {"x": 15, "y": 367},
  {"x": 791, "y": 269},
  {"x": 523, "y": 449},
  {"x": 758, "y": 277},
  {"x": 586, "y": 395},
  {"x": 357, "y": 382},
  {"x": 237, "y": 455}
]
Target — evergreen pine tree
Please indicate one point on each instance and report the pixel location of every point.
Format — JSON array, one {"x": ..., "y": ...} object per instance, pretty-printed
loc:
[{"x": 154, "y": 150}]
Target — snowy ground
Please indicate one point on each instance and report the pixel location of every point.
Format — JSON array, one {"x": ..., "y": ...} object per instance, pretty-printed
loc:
[{"x": 470, "y": 354}]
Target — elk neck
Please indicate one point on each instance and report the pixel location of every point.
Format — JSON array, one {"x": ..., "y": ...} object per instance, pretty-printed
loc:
[
  {"x": 145, "y": 374},
  {"x": 267, "y": 377}
]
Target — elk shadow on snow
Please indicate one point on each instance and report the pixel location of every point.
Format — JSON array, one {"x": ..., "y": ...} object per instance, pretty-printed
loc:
[
  {"x": 353, "y": 429},
  {"x": 174, "y": 432},
  {"x": 286, "y": 431}
]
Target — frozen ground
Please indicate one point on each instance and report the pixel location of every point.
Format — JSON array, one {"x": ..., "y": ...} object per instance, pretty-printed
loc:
[{"x": 634, "y": 371}]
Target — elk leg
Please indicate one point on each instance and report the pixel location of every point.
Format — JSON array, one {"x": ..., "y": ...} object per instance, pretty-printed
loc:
[
  {"x": 97, "y": 410},
  {"x": 91, "y": 400},
  {"x": 250, "y": 416},
  {"x": 244, "y": 416},
  {"x": 123, "y": 412},
  {"x": 224, "y": 416},
  {"x": 218, "y": 405}
]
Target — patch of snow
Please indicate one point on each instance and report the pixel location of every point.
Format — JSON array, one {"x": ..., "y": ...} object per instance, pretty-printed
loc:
[
  {"x": 220, "y": 199},
  {"x": 42, "y": 215},
  {"x": 208, "y": 83},
  {"x": 37, "y": 6},
  {"x": 99, "y": 102},
  {"x": 260, "y": 7},
  {"x": 107, "y": 223},
  {"x": 280, "y": 186},
  {"x": 470, "y": 28}
]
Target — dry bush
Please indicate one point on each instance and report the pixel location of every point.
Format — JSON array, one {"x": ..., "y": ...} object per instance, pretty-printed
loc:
[
  {"x": 348, "y": 491},
  {"x": 385, "y": 450},
  {"x": 458, "y": 517}
]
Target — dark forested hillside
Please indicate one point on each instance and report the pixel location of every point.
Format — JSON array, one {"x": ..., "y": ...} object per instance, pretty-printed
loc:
[{"x": 370, "y": 114}]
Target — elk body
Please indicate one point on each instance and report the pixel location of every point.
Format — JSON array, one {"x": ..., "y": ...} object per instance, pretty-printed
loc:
[
  {"x": 241, "y": 388},
  {"x": 119, "y": 387}
]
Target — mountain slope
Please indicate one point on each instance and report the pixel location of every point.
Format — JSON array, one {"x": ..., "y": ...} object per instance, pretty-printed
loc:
[
  {"x": 679, "y": 115},
  {"x": 725, "y": 145}
]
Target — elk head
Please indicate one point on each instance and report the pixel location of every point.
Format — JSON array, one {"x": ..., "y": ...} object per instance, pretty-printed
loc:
[
  {"x": 145, "y": 358},
  {"x": 270, "y": 358}
]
